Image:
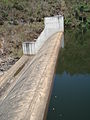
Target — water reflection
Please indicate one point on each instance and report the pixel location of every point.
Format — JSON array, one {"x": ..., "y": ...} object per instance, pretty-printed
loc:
[
  {"x": 75, "y": 57},
  {"x": 70, "y": 98}
]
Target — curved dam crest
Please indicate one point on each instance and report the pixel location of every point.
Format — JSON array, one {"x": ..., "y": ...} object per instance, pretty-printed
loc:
[
  {"x": 28, "y": 98},
  {"x": 25, "y": 88}
]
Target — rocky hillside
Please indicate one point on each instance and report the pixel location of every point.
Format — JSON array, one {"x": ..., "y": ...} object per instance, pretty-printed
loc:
[
  {"x": 27, "y": 11},
  {"x": 22, "y": 20}
]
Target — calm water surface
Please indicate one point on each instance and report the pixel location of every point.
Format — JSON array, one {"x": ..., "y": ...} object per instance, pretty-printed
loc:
[{"x": 70, "y": 99}]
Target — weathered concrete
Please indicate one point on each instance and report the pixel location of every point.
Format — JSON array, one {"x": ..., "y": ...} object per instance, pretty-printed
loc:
[
  {"x": 28, "y": 98},
  {"x": 52, "y": 25},
  {"x": 9, "y": 79},
  {"x": 10, "y": 73}
]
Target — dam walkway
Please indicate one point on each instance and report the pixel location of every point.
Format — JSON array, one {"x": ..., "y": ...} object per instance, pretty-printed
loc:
[{"x": 26, "y": 96}]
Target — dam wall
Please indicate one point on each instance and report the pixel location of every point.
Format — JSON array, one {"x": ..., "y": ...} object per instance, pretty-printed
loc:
[
  {"x": 25, "y": 88},
  {"x": 52, "y": 25},
  {"x": 27, "y": 94}
]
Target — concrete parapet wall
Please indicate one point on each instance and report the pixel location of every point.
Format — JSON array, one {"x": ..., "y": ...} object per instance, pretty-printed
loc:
[
  {"x": 52, "y": 25},
  {"x": 56, "y": 23}
]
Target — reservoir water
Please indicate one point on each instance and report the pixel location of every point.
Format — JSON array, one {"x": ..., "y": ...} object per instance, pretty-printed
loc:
[{"x": 70, "y": 98}]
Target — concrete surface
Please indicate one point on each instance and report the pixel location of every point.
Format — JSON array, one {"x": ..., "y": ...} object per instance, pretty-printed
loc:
[
  {"x": 28, "y": 97},
  {"x": 52, "y": 25}
]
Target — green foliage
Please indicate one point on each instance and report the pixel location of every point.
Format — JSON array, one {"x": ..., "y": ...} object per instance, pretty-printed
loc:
[
  {"x": 6, "y": 1},
  {"x": 84, "y": 7},
  {"x": 76, "y": 12},
  {"x": 18, "y": 6},
  {"x": 67, "y": 22},
  {"x": 30, "y": 10},
  {"x": 81, "y": 13}
]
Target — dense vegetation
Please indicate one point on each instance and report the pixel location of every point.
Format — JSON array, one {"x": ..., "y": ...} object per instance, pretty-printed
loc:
[
  {"x": 22, "y": 20},
  {"x": 76, "y": 12},
  {"x": 79, "y": 13},
  {"x": 15, "y": 11}
]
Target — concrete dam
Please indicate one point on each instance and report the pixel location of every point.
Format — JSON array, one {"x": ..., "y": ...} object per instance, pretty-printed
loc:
[{"x": 25, "y": 88}]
